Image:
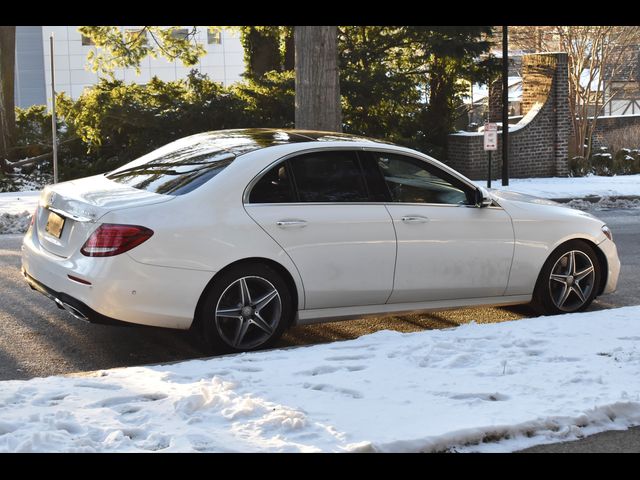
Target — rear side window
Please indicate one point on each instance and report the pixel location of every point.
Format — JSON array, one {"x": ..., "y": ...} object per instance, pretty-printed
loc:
[
  {"x": 331, "y": 176},
  {"x": 274, "y": 187},
  {"x": 176, "y": 168}
]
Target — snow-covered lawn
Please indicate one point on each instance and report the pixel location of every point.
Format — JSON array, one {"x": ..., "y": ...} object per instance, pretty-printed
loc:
[
  {"x": 489, "y": 387},
  {"x": 578, "y": 187},
  {"x": 19, "y": 202}
]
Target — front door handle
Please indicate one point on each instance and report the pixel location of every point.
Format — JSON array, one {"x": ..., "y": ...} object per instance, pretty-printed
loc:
[
  {"x": 414, "y": 219},
  {"x": 291, "y": 223}
]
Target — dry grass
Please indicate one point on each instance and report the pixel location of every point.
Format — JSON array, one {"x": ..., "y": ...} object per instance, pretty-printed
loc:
[{"x": 626, "y": 137}]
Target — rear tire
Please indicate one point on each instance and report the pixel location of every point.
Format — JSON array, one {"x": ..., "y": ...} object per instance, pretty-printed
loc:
[
  {"x": 569, "y": 279},
  {"x": 247, "y": 308}
]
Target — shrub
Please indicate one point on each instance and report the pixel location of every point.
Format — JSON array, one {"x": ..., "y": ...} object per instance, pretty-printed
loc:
[
  {"x": 33, "y": 131},
  {"x": 119, "y": 122},
  {"x": 602, "y": 162},
  {"x": 579, "y": 166},
  {"x": 270, "y": 100}
]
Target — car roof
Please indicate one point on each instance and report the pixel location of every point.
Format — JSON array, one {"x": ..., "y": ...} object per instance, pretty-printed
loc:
[{"x": 245, "y": 140}]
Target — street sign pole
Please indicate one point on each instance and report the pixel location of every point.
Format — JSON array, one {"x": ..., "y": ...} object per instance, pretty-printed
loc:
[
  {"x": 54, "y": 130},
  {"x": 489, "y": 172},
  {"x": 490, "y": 144},
  {"x": 505, "y": 106}
]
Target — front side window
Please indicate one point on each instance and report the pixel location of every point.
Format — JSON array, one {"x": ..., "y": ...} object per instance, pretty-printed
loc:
[
  {"x": 410, "y": 180},
  {"x": 332, "y": 176}
]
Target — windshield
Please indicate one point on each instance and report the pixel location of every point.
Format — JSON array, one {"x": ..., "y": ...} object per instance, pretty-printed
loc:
[{"x": 176, "y": 168}]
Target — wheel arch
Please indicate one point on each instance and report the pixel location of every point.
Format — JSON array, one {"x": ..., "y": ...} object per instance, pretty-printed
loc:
[
  {"x": 602, "y": 260},
  {"x": 286, "y": 276}
]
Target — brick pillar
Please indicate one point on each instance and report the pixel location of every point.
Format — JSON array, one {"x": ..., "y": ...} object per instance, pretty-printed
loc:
[
  {"x": 562, "y": 114},
  {"x": 545, "y": 79}
]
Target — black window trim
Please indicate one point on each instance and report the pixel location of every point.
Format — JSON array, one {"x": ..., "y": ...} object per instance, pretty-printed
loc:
[
  {"x": 358, "y": 151},
  {"x": 466, "y": 187},
  {"x": 361, "y": 151}
]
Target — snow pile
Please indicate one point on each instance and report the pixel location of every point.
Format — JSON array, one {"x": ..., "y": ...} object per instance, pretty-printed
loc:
[
  {"x": 572, "y": 187},
  {"x": 16, "y": 209},
  {"x": 18, "y": 223},
  {"x": 490, "y": 387},
  {"x": 604, "y": 204}
]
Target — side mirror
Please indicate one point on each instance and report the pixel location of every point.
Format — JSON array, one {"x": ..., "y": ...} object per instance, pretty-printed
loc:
[{"x": 482, "y": 198}]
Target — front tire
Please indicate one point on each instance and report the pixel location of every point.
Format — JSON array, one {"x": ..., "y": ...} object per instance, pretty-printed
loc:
[
  {"x": 246, "y": 308},
  {"x": 569, "y": 279}
]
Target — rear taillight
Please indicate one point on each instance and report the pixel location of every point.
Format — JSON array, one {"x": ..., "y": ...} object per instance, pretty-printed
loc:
[{"x": 111, "y": 239}]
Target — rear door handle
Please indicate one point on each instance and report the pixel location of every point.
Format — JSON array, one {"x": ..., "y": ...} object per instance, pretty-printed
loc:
[
  {"x": 291, "y": 223},
  {"x": 414, "y": 219}
]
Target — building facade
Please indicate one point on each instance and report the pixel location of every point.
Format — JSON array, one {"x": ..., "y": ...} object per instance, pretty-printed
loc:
[{"x": 223, "y": 62}]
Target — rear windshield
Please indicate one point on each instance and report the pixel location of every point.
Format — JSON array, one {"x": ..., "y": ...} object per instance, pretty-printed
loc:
[{"x": 176, "y": 168}]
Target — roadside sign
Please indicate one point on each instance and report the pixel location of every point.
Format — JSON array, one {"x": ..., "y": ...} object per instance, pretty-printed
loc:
[{"x": 490, "y": 136}]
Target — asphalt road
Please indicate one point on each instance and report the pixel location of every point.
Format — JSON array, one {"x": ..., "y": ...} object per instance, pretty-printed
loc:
[{"x": 37, "y": 339}]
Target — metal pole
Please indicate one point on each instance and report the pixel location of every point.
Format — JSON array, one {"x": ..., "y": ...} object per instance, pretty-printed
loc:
[
  {"x": 505, "y": 106},
  {"x": 54, "y": 130},
  {"x": 489, "y": 174}
]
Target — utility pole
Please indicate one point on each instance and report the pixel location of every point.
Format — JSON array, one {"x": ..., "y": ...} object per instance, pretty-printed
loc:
[
  {"x": 54, "y": 130},
  {"x": 505, "y": 106}
]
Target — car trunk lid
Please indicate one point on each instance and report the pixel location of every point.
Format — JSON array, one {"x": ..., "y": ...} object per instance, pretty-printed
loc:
[{"x": 68, "y": 212}]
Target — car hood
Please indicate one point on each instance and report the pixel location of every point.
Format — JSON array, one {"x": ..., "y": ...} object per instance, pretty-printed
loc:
[
  {"x": 521, "y": 197},
  {"x": 522, "y": 206}
]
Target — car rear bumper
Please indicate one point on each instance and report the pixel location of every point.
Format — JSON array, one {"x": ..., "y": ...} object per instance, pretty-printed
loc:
[
  {"x": 117, "y": 290},
  {"x": 75, "y": 307}
]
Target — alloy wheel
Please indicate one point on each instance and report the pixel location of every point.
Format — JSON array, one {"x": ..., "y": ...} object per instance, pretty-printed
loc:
[
  {"x": 248, "y": 312},
  {"x": 571, "y": 281}
]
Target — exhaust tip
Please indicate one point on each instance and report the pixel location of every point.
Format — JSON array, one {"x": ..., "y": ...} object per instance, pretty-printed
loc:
[{"x": 74, "y": 312}]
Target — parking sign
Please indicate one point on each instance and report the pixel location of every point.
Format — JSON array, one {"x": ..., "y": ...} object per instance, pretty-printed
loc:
[{"x": 491, "y": 136}]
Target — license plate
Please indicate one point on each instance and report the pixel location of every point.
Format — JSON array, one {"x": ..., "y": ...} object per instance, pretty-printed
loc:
[{"x": 55, "y": 224}]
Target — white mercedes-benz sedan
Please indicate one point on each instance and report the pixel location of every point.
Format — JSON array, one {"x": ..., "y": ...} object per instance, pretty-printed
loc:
[{"x": 239, "y": 234}]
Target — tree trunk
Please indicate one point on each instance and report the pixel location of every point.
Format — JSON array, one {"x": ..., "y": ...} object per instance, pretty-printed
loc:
[
  {"x": 317, "y": 79},
  {"x": 289, "y": 50},
  {"x": 262, "y": 51},
  {"x": 439, "y": 113},
  {"x": 7, "y": 102}
]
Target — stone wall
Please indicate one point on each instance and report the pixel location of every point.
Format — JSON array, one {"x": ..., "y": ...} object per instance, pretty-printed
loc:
[{"x": 538, "y": 144}]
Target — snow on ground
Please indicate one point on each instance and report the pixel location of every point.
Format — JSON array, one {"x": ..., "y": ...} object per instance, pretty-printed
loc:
[
  {"x": 489, "y": 387},
  {"x": 571, "y": 187},
  {"x": 19, "y": 202}
]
